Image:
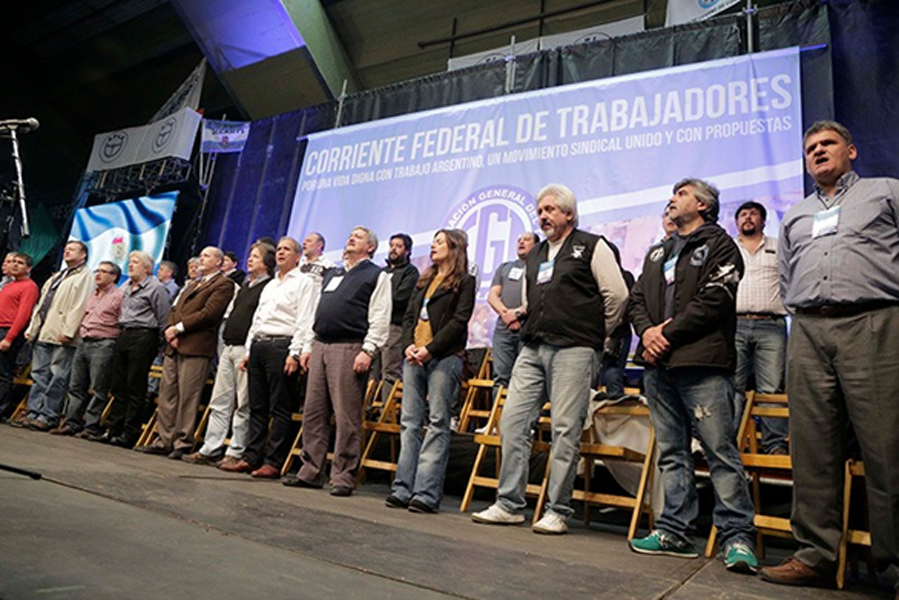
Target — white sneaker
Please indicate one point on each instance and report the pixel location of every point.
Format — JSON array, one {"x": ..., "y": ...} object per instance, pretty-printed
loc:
[
  {"x": 454, "y": 424},
  {"x": 551, "y": 524},
  {"x": 497, "y": 515},
  {"x": 481, "y": 430}
]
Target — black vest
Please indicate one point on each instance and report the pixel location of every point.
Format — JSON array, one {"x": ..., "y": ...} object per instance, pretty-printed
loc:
[
  {"x": 238, "y": 324},
  {"x": 342, "y": 314},
  {"x": 568, "y": 310}
]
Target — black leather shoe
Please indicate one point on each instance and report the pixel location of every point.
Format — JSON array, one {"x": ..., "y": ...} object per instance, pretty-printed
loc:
[
  {"x": 156, "y": 450},
  {"x": 177, "y": 453},
  {"x": 103, "y": 437},
  {"x": 417, "y": 506},
  {"x": 297, "y": 482},
  {"x": 341, "y": 491},
  {"x": 121, "y": 441},
  {"x": 394, "y": 502}
]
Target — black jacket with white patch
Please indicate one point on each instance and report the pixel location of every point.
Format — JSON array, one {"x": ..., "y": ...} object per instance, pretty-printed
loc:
[{"x": 704, "y": 319}]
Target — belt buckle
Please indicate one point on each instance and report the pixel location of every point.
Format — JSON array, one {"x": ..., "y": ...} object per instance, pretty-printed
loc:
[{"x": 828, "y": 310}]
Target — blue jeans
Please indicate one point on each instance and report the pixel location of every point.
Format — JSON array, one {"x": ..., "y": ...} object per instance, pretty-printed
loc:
[
  {"x": 612, "y": 373},
  {"x": 506, "y": 346},
  {"x": 701, "y": 398},
  {"x": 564, "y": 376},
  {"x": 762, "y": 347},
  {"x": 50, "y": 368},
  {"x": 91, "y": 370},
  {"x": 421, "y": 466}
]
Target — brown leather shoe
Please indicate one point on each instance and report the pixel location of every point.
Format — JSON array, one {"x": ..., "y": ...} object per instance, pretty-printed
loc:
[
  {"x": 62, "y": 430},
  {"x": 795, "y": 572},
  {"x": 198, "y": 458},
  {"x": 266, "y": 472},
  {"x": 237, "y": 466}
]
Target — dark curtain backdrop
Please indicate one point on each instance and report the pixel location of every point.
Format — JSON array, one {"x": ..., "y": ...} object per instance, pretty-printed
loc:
[{"x": 848, "y": 72}]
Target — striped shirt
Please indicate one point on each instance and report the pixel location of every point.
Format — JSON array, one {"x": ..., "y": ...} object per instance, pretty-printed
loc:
[{"x": 758, "y": 292}]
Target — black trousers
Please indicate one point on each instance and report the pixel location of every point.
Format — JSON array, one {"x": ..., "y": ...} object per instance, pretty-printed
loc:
[
  {"x": 273, "y": 395},
  {"x": 132, "y": 358},
  {"x": 7, "y": 368}
]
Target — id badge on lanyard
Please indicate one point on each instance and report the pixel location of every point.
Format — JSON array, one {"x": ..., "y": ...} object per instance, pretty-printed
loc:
[
  {"x": 826, "y": 222},
  {"x": 669, "y": 269},
  {"x": 545, "y": 272}
]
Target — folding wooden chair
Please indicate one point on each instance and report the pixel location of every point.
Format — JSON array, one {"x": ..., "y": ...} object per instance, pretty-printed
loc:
[
  {"x": 855, "y": 469},
  {"x": 387, "y": 422},
  {"x": 593, "y": 450},
  {"x": 491, "y": 439},
  {"x": 758, "y": 464},
  {"x": 477, "y": 404}
]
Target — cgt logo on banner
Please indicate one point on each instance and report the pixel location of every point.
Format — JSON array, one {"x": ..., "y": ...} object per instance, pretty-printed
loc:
[
  {"x": 685, "y": 11},
  {"x": 493, "y": 218}
]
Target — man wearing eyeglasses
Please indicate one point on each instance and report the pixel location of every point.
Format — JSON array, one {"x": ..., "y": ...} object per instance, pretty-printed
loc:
[{"x": 91, "y": 367}]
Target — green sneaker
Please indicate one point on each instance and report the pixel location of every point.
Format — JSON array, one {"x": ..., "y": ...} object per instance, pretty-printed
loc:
[
  {"x": 740, "y": 558},
  {"x": 658, "y": 542}
]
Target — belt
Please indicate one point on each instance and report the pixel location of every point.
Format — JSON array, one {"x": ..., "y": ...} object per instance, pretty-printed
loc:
[
  {"x": 759, "y": 316},
  {"x": 844, "y": 310},
  {"x": 271, "y": 338},
  {"x": 126, "y": 328},
  {"x": 96, "y": 339}
]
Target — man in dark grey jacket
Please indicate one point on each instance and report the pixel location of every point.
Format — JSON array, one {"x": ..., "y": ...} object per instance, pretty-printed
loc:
[{"x": 683, "y": 307}]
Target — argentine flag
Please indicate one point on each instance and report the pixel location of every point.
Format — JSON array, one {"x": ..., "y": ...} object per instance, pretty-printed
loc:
[{"x": 112, "y": 231}]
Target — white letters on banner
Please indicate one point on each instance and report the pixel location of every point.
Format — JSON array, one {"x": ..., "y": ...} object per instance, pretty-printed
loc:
[
  {"x": 685, "y": 11},
  {"x": 172, "y": 136}
]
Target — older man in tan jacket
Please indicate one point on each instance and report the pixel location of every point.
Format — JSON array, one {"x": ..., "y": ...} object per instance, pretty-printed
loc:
[{"x": 54, "y": 334}]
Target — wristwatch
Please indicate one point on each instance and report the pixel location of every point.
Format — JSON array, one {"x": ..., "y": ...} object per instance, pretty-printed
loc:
[
  {"x": 518, "y": 313},
  {"x": 295, "y": 356},
  {"x": 371, "y": 353}
]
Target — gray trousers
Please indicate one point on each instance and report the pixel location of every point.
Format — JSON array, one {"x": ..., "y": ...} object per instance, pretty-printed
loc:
[
  {"x": 842, "y": 370},
  {"x": 333, "y": 386}
]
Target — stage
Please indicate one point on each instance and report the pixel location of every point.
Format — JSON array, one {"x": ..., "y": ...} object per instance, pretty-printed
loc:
[{"x": 111, "y": 523}]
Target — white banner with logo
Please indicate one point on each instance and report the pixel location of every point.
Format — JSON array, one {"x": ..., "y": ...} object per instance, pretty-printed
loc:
[
  {"x": 685, "y": 11},
  {"x": 497, "y": 55},
  {"x": 592, "y": 34},
  {"x": 172, "y": 136}
]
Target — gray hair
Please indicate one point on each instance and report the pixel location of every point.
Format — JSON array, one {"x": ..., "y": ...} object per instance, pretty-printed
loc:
[
  {"x": 827, "y": 125},
  {"x": 564, "y": 199},
  {"x": 144, "y": 257},
  {"x": 371, "y": 235},
  {"x": 297, "y": 247},
  {"x": 706, "y": 193}
]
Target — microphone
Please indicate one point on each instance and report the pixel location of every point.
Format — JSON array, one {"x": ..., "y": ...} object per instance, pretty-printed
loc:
[{"x": 21, "y": 125}]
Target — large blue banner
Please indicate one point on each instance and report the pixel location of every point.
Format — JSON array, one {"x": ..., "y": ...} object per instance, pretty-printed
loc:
[
  {"x": 112, "y": 231},
  {"x": 618, "y": 143}
]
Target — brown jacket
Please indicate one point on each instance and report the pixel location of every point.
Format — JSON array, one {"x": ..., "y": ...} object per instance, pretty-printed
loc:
[{"x": 200, "y": 308}]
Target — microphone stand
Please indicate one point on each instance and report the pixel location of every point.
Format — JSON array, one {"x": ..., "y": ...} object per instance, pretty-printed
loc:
[{"x": 20, "y": 183}]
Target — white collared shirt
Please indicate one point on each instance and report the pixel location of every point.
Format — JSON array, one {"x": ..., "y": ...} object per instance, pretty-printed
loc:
[{"x": 284, "y": 305}]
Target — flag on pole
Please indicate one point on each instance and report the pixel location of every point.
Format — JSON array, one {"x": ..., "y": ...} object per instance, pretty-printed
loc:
[
  {"x": 685, "y": 11},
  {"x": 112, "y": 231},
  {"x": 224, "y": 136}
]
